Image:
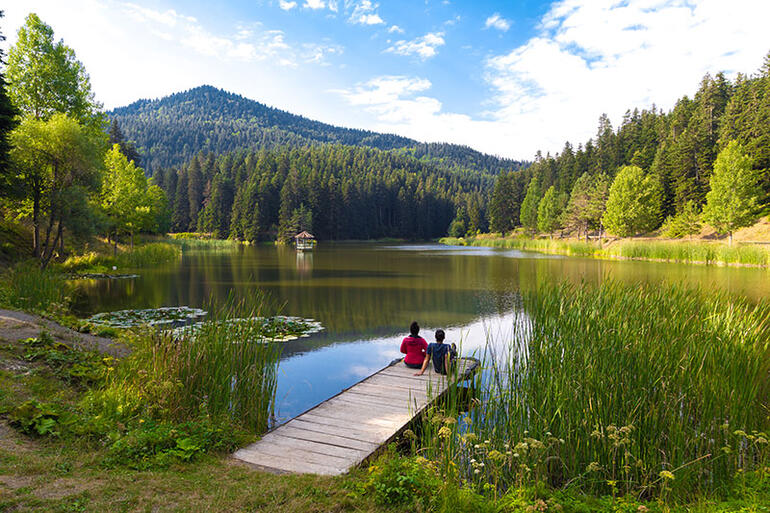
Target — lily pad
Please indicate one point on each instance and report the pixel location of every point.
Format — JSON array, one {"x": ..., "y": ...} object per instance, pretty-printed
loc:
[
  {"x": 167, "y": 316},
  {"x": 279, "y": 328}
]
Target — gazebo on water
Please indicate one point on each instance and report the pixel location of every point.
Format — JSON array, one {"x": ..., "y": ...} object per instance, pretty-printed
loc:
[{"x": 304, "y": 241}]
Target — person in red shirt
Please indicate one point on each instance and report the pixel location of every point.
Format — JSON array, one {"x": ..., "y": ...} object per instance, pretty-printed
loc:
[{"x": 414, "y": 347}]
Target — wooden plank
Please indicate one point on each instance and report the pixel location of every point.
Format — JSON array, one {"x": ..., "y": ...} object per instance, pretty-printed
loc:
[
  {"x": 330, "y": 439},
  {"x": 346, "y": 432},
  {"x": 287, "y": 452},
  {"x": 269, "y": 462},
  {"x": 348, "y": 428},
  {"x": 279, "y": 440}
]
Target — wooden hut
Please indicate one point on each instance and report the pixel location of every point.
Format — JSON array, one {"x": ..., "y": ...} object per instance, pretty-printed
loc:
[{"x": 304, "y": 241}]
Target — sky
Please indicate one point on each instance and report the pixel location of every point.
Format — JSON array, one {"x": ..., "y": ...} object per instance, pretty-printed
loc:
[{"x": 507, "y": 78}]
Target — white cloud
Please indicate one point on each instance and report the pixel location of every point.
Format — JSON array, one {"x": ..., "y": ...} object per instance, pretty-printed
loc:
[
  {"x": 286, "y": 5},
  {"x": 588, "y": 57},
  {"x": 395, "y": 29},
  {"x": 424, "y": 47},
  {"x": 498, "y": 22},
  {"x": 315, "y": 4},
  {"x": 365, "y": 13}
]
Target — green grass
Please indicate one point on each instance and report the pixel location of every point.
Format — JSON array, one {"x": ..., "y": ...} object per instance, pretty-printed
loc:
[
  {"x": 27, "y": 287},
  {"x": 709, "y": 253},
  {"x": 147, "y": 255},
  {"x": 660, "y": 392}
]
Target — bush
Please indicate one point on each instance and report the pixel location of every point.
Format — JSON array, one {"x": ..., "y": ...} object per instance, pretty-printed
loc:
[{"x": 398, "y": 480}]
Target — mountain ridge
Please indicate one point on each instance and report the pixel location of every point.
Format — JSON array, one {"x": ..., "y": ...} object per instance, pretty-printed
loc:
[{"x": 172, "y": 129}]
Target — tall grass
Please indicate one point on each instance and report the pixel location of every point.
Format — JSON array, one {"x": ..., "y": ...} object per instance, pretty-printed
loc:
[
  {"x": 552, "y": 246},
  {"x": 147, "y": 255},
  {"x": 710, "y": 253},
  {"x": 27, "y": 287},
  {"x": 222, "y": 369},
  {"x": 651, "y": 390}
]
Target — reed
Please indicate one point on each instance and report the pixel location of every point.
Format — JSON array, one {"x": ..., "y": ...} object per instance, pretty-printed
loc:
[
  {"x": 657, "y": 391},
  {"x": 709, "y": 253},
  {"x": 147, "y": 255},
  {"x": 27, "y": 287},
  {"x": 221, "y": 369}
]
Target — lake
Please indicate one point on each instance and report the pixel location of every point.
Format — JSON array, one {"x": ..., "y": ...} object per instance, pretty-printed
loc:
[{"x": 367, "y": 294}]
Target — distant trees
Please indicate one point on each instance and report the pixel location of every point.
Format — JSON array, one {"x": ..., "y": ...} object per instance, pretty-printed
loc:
[
  {"x": 733, "y": 201},
  {"x": 634, "y": 203},
  {"x": 674, "y": 154}
]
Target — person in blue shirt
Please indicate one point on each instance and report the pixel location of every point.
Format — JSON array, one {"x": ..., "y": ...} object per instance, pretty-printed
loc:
[{"x": 443, "y": 355}]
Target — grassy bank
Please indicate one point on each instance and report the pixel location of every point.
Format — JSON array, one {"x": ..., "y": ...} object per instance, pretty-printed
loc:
[
  {"x": 708, "y": 253},
  {"x": 146, "y": 255}
]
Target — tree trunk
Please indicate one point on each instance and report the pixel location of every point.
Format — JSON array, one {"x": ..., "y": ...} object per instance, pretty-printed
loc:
[
  {"x": 115, "y": 246},
  {"x": 36, "y": 222},
  {"x": 132, "y": 241},
  {"x": 730, "y": 239}
]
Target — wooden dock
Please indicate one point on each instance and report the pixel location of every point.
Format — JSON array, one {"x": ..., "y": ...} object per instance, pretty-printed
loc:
[{"x": 347, "y": 429}]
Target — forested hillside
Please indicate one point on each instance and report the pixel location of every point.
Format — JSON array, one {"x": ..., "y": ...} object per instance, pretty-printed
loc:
[
  {"x": 654, "y": 167},
  {"x": 171, "y": 130},
  {"x": 334, "y": 191}
]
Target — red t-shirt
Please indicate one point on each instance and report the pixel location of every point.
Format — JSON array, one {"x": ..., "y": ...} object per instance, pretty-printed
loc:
[{"x": 414, "y": 349}]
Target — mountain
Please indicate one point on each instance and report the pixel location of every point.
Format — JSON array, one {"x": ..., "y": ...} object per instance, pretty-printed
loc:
[{"x": 169, "y": 131}]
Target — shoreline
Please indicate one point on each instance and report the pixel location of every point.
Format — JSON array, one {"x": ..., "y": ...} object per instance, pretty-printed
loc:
[{"x": 614, "y": 251}]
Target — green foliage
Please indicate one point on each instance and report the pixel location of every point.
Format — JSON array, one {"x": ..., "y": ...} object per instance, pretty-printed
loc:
[
  {"x": 129, "y": 203},
  {"x": 27, "y": 287},
  {"x": 634, "y": 203},
  {"x": 36, "y": 418},
  {"x": 528, "y": 216},
  {"x": 146, "y": 255},
  {"x": 46, "y": 77},
  {"x": 53, "y": 159},
  {"x": 684, "y": 224},
  {"x": 397, "y": 480},
  {"x": 733, "y": 201},
  {"x": 71, "y": 365},
  {"x": 549, "y": 211}
]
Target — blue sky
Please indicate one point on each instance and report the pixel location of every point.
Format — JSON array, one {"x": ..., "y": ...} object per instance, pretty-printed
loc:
[{"x": 506, "y": 78}]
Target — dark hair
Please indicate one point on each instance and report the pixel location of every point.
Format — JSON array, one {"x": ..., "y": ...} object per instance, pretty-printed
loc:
[
  {"x": 440, "y": 335},
  {"x": 414, "y": 328}
]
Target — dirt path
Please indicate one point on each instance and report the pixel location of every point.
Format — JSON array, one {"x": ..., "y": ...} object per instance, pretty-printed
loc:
[{"x": 16, "y": 326}]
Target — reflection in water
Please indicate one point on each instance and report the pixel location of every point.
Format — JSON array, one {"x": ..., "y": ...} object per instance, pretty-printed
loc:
[{"x": 367, "y": 294}]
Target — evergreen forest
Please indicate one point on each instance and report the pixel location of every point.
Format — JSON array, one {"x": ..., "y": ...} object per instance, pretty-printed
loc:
[{"x": 706, "y": 160}]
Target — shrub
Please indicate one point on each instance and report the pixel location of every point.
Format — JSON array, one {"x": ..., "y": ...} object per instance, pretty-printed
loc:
[
  {"x": 36, "y": 418},
  {"x": 398, "y": 480}
]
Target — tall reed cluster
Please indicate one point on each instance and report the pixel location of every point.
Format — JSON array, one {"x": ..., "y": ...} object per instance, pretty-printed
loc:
[
  {"x": 654, "y": 390},
  {"x": 27, "y": 287},
  {"x": 710, "y": 253},
  {"x": 222, "y": 369},
  {"x": 146, "y": 255}
]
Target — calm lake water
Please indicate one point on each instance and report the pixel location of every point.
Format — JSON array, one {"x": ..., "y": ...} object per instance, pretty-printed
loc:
[{"x": 367, "y": 294}]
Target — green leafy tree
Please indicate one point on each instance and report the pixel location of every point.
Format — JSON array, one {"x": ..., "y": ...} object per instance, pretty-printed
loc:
[
  {"x": 733, "y": 201},
  {"x": 124, "y": 196},
  {"x": 458, "y": 226},
  {"x": 45, "y": 77},
  {"x": 49, "y": 157},
  {"x": 634, "y": 203},
  {"x": 549, "y": 211},
  {"x": 684, "y": 224},
  {"x": 529, "y": 206}
]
